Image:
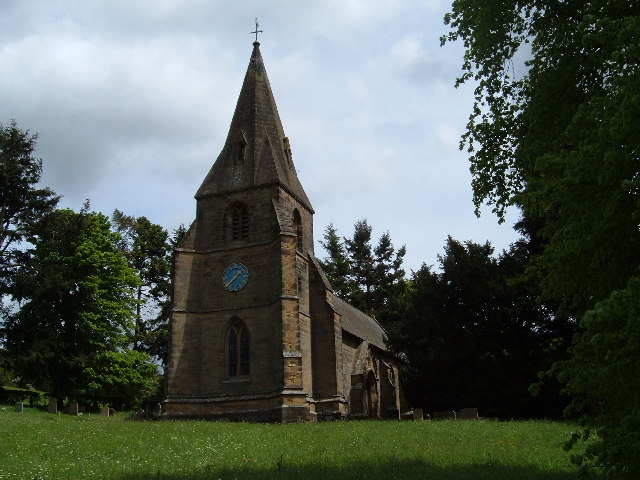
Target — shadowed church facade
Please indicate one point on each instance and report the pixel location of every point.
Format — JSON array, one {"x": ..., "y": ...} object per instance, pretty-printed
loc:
[{"x": 256, "y": 332}]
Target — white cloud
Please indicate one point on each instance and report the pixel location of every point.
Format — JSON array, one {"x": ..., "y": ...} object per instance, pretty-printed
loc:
[{"x": 133, "y": 101}]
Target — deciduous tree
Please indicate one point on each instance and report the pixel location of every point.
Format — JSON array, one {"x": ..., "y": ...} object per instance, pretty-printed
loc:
[
  {"x": 76, "y": 301},
  {"x": 558, "y": 137}
]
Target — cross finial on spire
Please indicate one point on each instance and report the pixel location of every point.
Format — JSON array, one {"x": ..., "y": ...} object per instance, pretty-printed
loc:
[{"x": 257, "y": 31}]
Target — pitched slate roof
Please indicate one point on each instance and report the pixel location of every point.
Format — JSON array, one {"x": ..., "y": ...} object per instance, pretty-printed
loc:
[
  {"x": 256, "y": 151},
  {"x": 360, "y": 324}
]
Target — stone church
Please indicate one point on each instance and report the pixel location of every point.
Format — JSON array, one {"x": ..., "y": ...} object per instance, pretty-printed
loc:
[{"x": 256, "y": 332}]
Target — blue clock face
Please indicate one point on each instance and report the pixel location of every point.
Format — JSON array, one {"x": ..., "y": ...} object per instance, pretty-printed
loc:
[{"x": 235, "y": 277}]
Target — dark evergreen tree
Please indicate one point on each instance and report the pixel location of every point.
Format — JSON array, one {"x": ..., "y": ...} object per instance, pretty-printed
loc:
[
  {"x": 148, "y": 250},
  {"x": 337, "y": 267},
  {"x": 159, "y": 336},
  {"x": 370, "y": 278},
  {"x": 474, "y": 338},
  {"x": 22, "y": 203}
]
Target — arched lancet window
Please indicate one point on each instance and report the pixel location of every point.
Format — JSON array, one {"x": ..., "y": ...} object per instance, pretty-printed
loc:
[
  {"x": 236, "y": 222},
  {"x": 297, "y": 229},
  {"x": 238, "y": 344}
]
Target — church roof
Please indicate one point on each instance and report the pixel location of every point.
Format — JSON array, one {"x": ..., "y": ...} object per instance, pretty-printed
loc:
[
  {"x": 256, "y": 151},
  {"x": 360, "y": 324}
]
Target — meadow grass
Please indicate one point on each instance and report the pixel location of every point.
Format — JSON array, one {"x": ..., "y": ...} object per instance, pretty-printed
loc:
[{"x": 36, "y": 445}]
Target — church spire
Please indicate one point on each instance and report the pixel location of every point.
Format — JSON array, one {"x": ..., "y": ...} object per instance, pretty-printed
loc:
[{"x": 256, "y": 151}]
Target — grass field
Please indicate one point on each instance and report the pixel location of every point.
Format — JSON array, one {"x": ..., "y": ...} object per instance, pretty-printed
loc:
[{"x": 36, "y": 445}]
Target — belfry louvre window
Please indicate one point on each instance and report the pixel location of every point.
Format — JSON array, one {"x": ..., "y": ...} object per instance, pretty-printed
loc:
[
  {"x": 236, "y": 222},
  {"x": 240, "y": 227},
  {"x": 237, "y": 350}
]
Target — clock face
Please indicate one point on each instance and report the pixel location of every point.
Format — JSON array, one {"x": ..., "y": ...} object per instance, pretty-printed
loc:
[{"x": 235, "y": 277}]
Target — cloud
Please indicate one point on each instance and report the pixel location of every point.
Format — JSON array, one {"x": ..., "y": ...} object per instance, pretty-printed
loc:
[{"x": 133, "y": 101}]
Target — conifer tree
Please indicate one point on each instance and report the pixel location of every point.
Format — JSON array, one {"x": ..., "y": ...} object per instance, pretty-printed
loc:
[
  {"x": 370, "y": 278},
  {"x": 22, "y": 202}
]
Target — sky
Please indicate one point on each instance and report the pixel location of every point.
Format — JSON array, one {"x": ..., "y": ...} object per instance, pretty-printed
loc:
[{"x": 132, "y": 101}]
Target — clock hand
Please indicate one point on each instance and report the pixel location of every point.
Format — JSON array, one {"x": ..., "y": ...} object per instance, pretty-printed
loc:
[{"x": 231, "y": 281}]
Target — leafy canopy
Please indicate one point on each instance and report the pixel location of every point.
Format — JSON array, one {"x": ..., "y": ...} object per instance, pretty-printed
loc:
[
  {"x": 558, "y": 137},
  {"x": 76, "y": 300}
]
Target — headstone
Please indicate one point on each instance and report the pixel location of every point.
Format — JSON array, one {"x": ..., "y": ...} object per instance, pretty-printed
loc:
[
  {"x": 104, "y": 411},
  {"x": 417, "y": 414},
  {"x": 157, "y": 411},
  {"x": 445, "y": 415},
  {"x": 73, "y": 408},
  {"x": 468, "y": 414},
  {"x": 53, "y": 405},
  {"x": 19, "y": 407},
  {"x": 112, "y": 412}
]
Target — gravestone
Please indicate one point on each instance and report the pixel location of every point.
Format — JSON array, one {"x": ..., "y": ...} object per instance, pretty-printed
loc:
[
  {"x": 445, "y": 415},
  {"x": 417, "y": 414},
  {"x": 112, "y": 412},
  {"x": 73, "y": 408},
  {"x": 105, "y": 411},
  {"x": 19, "y": 407},
  {"x": 407, "y": 415},
  {"x": 53, "y": 405},
  {"x": 468, "y": 414},
  {"x": 157, "y": 411}
]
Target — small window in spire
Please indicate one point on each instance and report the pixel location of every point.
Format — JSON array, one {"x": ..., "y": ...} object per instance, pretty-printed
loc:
[
  {"x": 241, "y": 147},
  {"x": 296, "y": 223}
]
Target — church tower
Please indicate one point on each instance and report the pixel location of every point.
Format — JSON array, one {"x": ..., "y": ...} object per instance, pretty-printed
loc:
[
  {"x": 240, "y": 343},
  {"x": 256, "y": 332}
]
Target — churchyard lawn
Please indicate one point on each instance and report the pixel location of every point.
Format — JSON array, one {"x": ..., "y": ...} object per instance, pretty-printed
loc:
[{"x": 36, "y": 445}]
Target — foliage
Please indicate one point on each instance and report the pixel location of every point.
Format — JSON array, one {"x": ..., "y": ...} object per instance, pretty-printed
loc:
[
  {"x": 605, "y": 369},
  {"x": 474, "y": 337},
  {"x": 101, "y": 447},
  {"x": 11, "y": 395},
  {"x": 124, "y": 377},
  {"x": 75, "y": 300},
  {"x": 21, "y": 202},
  {"x": 337, "y": 266},
  {"x": 370, "y": 278},
  {"x": 148, "y": 248},
  {"x": 560, "y": 140}
]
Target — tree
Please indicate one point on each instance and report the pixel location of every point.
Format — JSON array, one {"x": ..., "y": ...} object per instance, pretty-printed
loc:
[
  {"x": 147, "y": 248},
  {"x": 22, "y": 204},
  {"x": 473, "y": 337},
  {"x": 337, "y": 267},
  {"x": 604, "y": 369},
  {"x": 370, "y": 278},
  {"x": 560, "y": 141},
  {"x": 125, "y": 378},
  {"x": 75, "y": 297}
]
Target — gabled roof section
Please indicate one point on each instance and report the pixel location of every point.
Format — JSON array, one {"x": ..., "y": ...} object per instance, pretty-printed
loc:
[
  {"x": 256, "y": 151},
  {"x": 354, "y": 321},
  {"x": 360, "y": 324}
]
